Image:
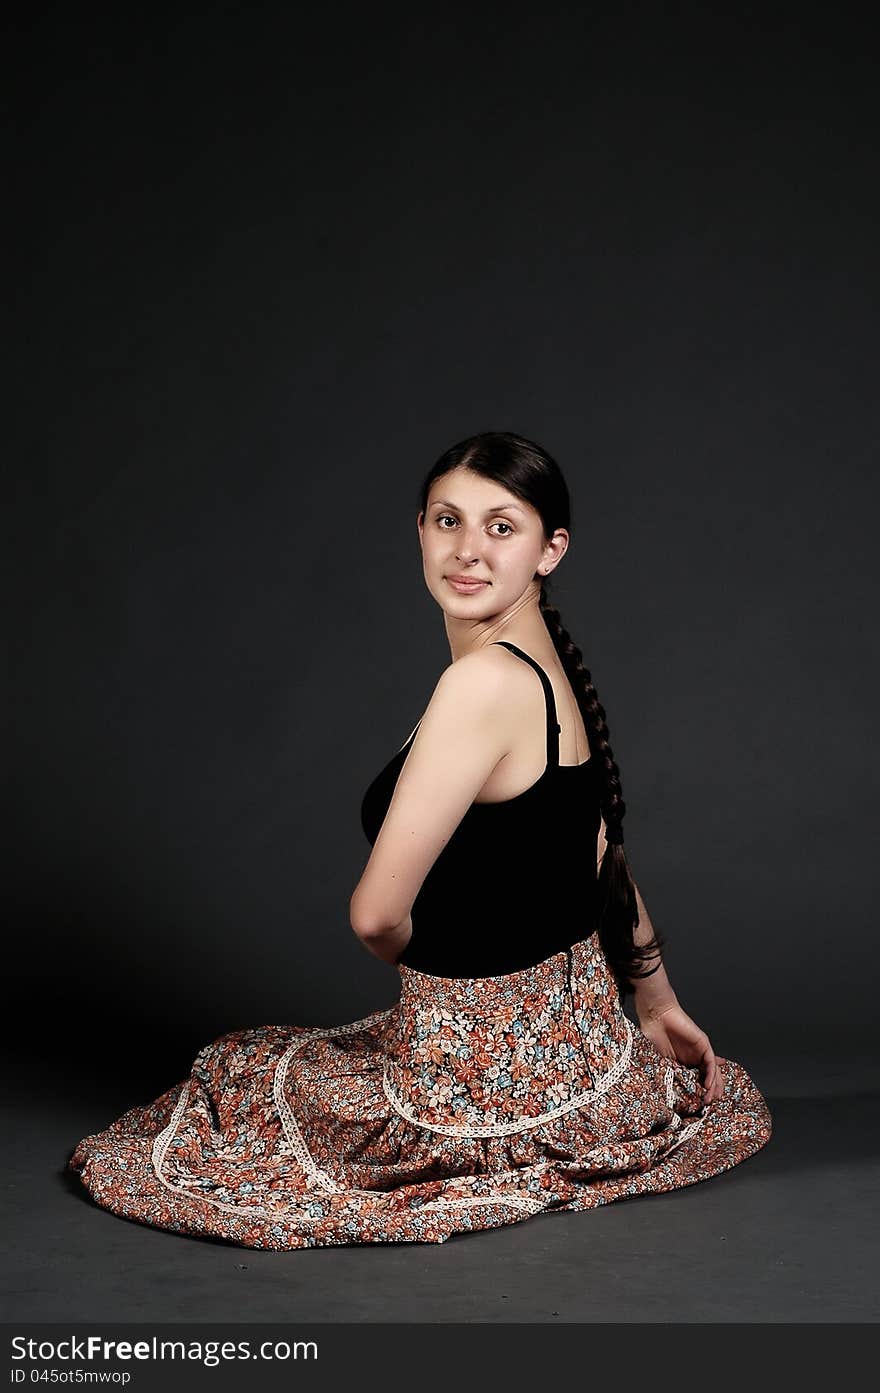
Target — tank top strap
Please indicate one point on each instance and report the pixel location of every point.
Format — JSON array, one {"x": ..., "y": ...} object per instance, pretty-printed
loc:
[{"x": 553, "y": 727}]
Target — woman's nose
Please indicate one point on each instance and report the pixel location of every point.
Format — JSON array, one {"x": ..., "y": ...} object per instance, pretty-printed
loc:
[{"x": 467, "y": 548}]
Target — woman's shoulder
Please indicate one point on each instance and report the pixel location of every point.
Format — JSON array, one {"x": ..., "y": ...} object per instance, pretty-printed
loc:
[{"x": 477, "y": 677}]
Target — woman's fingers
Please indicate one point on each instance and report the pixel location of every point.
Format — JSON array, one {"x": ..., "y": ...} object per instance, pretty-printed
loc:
[
  {"x": 714, "y": 1083},
  {"x": 719, "y": 1078}
]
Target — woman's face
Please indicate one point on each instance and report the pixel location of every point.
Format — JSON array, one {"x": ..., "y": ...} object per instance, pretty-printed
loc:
[{"x": 474, "y": 527}]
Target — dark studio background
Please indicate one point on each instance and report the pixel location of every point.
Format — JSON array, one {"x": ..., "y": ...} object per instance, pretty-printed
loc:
[{"x": 269, "y": 263}]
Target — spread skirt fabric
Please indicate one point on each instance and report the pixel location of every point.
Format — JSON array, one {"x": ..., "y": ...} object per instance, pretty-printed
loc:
[{"x": 470, "y": 1103}]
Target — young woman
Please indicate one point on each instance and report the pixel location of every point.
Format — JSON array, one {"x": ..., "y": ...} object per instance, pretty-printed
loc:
[{"x": 507, "y": 1079}]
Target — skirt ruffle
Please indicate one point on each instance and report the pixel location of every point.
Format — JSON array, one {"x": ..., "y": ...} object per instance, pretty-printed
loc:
[{"x": 469, "y": 1104}]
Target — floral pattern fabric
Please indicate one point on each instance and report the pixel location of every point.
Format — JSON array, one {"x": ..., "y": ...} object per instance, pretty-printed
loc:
[{"x": 470, "y": 1103}]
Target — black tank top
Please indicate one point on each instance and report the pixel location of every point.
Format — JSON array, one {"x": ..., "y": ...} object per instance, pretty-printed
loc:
[{"x": 516, "y": 882}]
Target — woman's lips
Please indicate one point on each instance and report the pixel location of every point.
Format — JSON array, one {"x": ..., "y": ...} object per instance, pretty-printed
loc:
[{"x": 466, "y": 587}]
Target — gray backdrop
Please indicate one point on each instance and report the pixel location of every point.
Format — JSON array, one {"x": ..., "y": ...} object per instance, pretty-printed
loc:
[{"x": 270, "y": 266}]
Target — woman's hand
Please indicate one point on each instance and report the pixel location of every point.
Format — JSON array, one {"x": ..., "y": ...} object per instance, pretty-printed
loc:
[{"x": 675, "y": 1035}]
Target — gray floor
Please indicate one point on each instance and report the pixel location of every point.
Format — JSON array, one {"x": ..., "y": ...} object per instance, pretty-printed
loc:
[{"x": 789, "y": 1235}]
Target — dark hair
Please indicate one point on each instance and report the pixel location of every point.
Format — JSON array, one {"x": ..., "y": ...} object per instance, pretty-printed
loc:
[{"x": 529, "y": 472}]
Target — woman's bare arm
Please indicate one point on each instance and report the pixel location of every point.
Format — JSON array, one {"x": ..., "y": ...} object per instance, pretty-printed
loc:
[
  {"x": 461, "y": 738},
  {"x": 661, "y": 1017},
  {"x": 653, "y": 994}
]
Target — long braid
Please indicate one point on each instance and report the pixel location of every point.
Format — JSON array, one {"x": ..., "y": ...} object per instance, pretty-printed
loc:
[{"x": 618, "y": 912}]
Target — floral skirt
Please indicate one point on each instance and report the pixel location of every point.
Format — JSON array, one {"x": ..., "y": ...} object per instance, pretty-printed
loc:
[{"x": 468, "y": 1104}]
